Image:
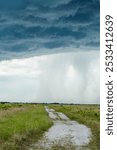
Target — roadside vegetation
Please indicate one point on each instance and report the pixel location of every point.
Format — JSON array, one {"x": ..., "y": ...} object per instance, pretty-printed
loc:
[
  {"x": 21, "y": 125},
  {"x": 86, "y": 114}
]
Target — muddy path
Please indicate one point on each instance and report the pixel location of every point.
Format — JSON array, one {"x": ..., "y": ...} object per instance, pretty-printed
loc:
[{"x": 65, "y": 134}]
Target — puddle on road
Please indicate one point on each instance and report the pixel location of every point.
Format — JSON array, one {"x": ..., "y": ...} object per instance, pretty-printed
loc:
[{"x": 64, "y": 134}]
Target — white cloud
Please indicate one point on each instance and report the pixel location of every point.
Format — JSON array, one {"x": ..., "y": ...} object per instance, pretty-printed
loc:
[
  {"x": 21, "y": 67},
  {"x": 66, "y": 77}
]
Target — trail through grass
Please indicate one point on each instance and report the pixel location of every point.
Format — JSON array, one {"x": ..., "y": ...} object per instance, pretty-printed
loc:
[
  {"x": 65, "y": 134},
  {"x": 85, "y": 114},
  {"x": 24, "y": 124}
]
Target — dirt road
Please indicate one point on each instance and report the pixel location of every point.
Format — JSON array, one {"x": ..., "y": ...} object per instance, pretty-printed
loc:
[{"x": 65, "y": 134}]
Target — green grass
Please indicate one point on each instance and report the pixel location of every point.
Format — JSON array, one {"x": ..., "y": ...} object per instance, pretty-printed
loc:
[
  {"x": 85, "y": 114},
  {"x": 8, "y": 105},
  {"x": 21, "y": 126}
]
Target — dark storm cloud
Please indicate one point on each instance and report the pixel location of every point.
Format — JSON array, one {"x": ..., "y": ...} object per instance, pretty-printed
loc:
[{"x": 37, "y": 27}]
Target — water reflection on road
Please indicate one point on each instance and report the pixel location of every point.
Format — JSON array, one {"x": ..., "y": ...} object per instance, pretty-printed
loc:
[{"x": 65, "y": 133}]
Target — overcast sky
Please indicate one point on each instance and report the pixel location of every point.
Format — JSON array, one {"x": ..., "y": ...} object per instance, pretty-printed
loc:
[{"x": 49, "y": 51}]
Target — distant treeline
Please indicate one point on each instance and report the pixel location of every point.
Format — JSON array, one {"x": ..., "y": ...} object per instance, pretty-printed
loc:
[{"x": 55, "y": 103}]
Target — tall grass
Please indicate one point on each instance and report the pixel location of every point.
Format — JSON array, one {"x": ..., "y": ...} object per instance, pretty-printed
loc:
[
  {"x": 22, "y": 126},
  {"x": 9, "y": 105}
]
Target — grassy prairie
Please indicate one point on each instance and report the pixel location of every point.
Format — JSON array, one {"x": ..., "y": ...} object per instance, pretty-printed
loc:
[
  {"x": 85, "y": 114},
  {"x": 21, "y": 125}
]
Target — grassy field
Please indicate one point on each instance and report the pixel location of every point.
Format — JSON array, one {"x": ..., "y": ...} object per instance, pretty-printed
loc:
[
  {"x": 21, "y": 125},
  {"x": 85, "y": 114}
]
